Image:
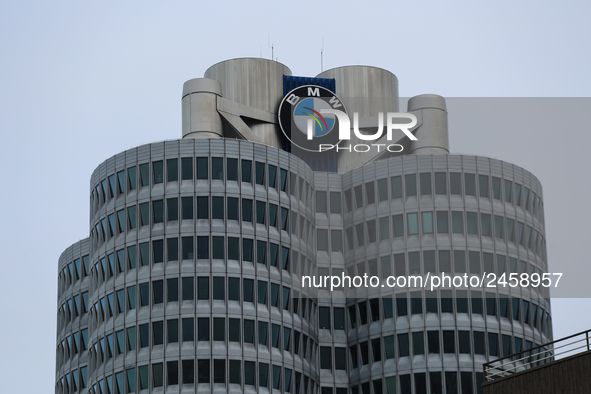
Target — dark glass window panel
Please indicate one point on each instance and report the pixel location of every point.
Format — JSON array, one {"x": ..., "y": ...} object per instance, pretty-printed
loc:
[
  {"x": 145, "y": 214},
  {"x": 202, "y": 247},
  {"x": 172, "y": 330},
  {"x": 261, "y": 210},
  {"x": 321, "y": 202},
  {"x": 217, "y": 208},
  {"x": 158, "y": 170},
  {"x": 418, "y": 343},
  {"x": 158, "y": 250},
  {"x": 260, "y": 173},
  {"x": 121, "y": 181},
  {"x": 272, "y": 176},
  {"x": 403, "y": 348},
  {"x": 187, "y": 208},
  {"x": 219, "y": 371},
  {"x": 464, "y": 342},
  {"x": 364, "y": 350},
  {"x": 440, "y": 183},
  {"x": 202, "y": 208},
  {"x": 172, "y": 209},
  {"x": 158, "y": 332},
  {"x": 286, "y": 339},
  {"x": 218, "y": 288},
  {"x": 247, "y": 249},
  {"x": 217, "y": 167},
  {"x": 401, "y": 305},
  {"x": 477, "y": 303},
  {"x": 339, "y": 318},
  {"x": 273, "y": 215},
  {"x": 479, "y": 342},
  {"x": 496, "y": 188},
  {"x": 263, "y": 326},
  {"x": 358, "y": 196},
  {"x": 158, "y": 291},
  {"x": 515, "y": 308},
  {"x": 235, "y": 373},
  {"x": 172, "y": 373},
  {"x": 425, "y": 183},
  {"x": 472, "y": 223},
  {"x": 483, "y": 186},
  {"x": 172, "y": 170},
  {"x": 232, "y": 208},
  {"x": 234, "y": 330},
  {"x": 376, "y": 349},
  {"x": 449, "y": 342},
  {"x": 172, "y": 247},
  {"x": 144, "y": 331},
  {"x": 433, "y": 342},
  {"x": 158, "y": 211},
  {"x": 187, "y": 288},
  {"x": 455, "y": 183},
  {"x": 187, "y": 248},
  {"x": 246, "y": 171},
  {"x": 131, "y": 176},
  {"x": 231, "y": 170},
  {"x": 491, "y": 309},
  {"x": 396, "y": 182},
  {"x": 451, "y": 383},
  {"x": 202, "y": 329},
  {"x": 493, "y": 344},
  {"x": 202, "y": 170},
  {"x": 261, "y": 252},
  {"x": 219, "y": 328},
  {"x": 325, "y": 357},
  {"x": 285, "y": 258},
  {"x": 203, "y": 371},
  {"x": 466, "y": 378},
  {"x": 442, "y": 222},
  {"x": 249, "y": 373},
  {"x": 203, "y": 288},
  {"x": 324, "y": 317},
  {"x": 416, "y": 304},
  {"x": 470, "y": 184},
  {"x": 187, "y": 168},
  {"x": 248, "y": 290},
  {"x": 275, "y": 330},
  {"x": 188, "y": 330},
  {"x": 233, "y": 248},
  {"x": 247, "y": 210},
  {"x": 144, "y": 294},
  {"x": 398, "y": 223},
  {"x": 370, "y": 193},
  {"x": 234, "y": 289},
  {"x": 410, "y": 183},
  {"x": 144, "y": 174}
]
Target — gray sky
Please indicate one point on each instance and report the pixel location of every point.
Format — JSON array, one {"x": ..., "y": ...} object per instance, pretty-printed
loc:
[{"x": 82, "y": 81}]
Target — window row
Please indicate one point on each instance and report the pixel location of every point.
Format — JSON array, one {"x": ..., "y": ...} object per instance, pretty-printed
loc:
[
  {"x": 437, "y": 382},
  {"x": 442, "y": 222},
  {"x": 245, "y": 290},
  {"x": 72, "y": 308},
  {"x": 194, "y": 372},
  {"x": 436, "y": 262},
  {"x": 440, "y": 183},
  {"x": 119, "y": 183},
  {"x": 73, "y": 272},
  {"x": 517, "y": 309},
  {"x": 203, "y": 329},
  {"x": 72, "y": 345},
  {"x": 222, "y": 248},
  {"x": 420, "y": 343}
]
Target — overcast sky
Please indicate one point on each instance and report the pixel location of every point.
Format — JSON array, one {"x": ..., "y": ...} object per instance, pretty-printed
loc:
[{"x": 82, "y": 81}]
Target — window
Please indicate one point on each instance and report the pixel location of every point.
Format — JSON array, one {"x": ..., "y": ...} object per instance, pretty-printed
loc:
[
  {"x": 144, "y": 214},
  {"x": 427, "y": 222},
  {"x": 217, "y": 208},
  {"x": 231, "y": 170},
  {"x": 410, "y": 183},
  {"x": 219, "y": 371},
  {"x": 403, "y": 349},
  {"x": 121, "y": 181},
  {"x": 260, "y": 173},
  {"x": 413, "y": 225},
  {"x": 172, "y": 170},
  {"x": 202, "y": 370},
  {"x": 232, "y": 208},
  {"x": 383, "y": 189},
  {"x": 246, "y": 210},
  {"x": 172, "y": 329},
  {"x": 234, "y": 289},
  {"x": 283, "y": 180},
  {"x": 234, "y": 330},
  {"x": 187, "y": 248},
  {"x": 370, "y": 193},
  {"x": 246, "y": 171},
  {"x": 398, "y": 224},
  {"x": 263, "y": 326},
  {"x": 440, "y": 183},
  {"x": 217, "y": 168},
  {"x": 187, "y": 288},
  {"x": 396, "y": 182},
  {"x": 187, "y": 208},
  {"x": 202, "y": 170},
  {"x": 187, "y": 168},
  {"x": 449, "y": 342},
  {"x": 470, "y": 184},
  {"x": 202, "y": 328},
  {"x": 433, "y": 342},
  {"x": 202, "y": 207},
  {"x": 172, "y": 209},
  {"x": 325, "y": 357},
  {"x": 442, "y": 222},
  {"x": 457, "y": 222},
  {"x": 472, "y": 223},
  {"x": 144, "y": 174},
  {"x": 321, "y": 202},
  {"x": 202, "y": 247},
  {"x": 272, "y": 176},
  {"x": 425, "y": 183},
  {"x": 455, "y": 183},
  {"x": 219, "y": 328}
]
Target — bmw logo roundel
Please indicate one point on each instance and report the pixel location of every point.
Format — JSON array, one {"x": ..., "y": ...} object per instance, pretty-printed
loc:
[{"x": 302, "y": 120}]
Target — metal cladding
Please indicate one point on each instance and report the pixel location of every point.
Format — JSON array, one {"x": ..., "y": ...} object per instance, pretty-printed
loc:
[
  {"x": 367, "y": 91},
  {"x": 252, "y": 83},
  {"x": 432, "y": 135},
  {"x": 200, "y": 116}
]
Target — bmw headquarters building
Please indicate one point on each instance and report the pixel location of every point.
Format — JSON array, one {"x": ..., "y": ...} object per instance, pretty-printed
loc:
[{"x": 205, "y": 263}]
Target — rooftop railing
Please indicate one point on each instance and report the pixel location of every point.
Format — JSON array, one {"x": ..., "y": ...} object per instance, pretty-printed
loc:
[{"x": 537, "y": 356}]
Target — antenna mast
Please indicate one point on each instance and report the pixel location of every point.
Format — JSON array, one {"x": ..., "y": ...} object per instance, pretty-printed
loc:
[
  {"x": 270, "y": 46},
  {"x": 321, "y": 59}
]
